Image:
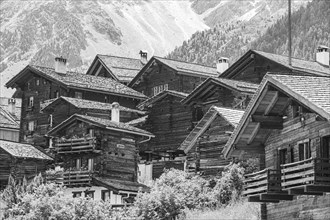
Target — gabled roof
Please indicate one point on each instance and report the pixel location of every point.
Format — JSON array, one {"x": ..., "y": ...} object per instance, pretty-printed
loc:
[
  {"x": 312, "y": 92},
  {"x": 121, "y": 185},
  {"x": 23, "y": 150},
  {"x": 208, "y": 88},
  {"x": 7, "y": 121},
  {"x": 87, "y": 104},
  {"x": 78, "y": 81},
  {"x": 103, "y": 123},
  {"x": 298, "y": 65},
  {"x": 123, "y": 69},
  {"x": 160, "y": 96},
  {"x": 232, "y": 116},
  {"x": 180, "y": 67}
]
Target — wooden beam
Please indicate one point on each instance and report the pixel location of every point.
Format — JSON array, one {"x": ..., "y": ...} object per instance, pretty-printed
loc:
[
  {"x": 254, "y": 133},
  {"x": 316, "y": 188},
  {"x": 257, "y": 199},
  {"x": 272, "y": 103},
  {"x": 98, "y": 70},
  {"x": 302, "y": 192},
  {"x": 276, "y": 197}
]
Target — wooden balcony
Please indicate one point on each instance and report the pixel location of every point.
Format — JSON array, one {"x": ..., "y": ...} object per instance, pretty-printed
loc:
[
  {"x": 311, "y": 176},
  {"x": 264, "y": 186},
  {"x": 77, "y": 145},
  {"x": 73, "y": 178}
]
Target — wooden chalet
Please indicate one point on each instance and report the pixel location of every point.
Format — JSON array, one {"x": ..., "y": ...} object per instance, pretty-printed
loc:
[
  {"x": 59, "y": 109},
  {"x": 170, "y": 121},
  {"x": 161, "y": 74},
  {"x": 39, "y": 84},
  {"x": 20, "y": 160},
  {"x": 121, "y": 69},
  {"x": 287, "y": 125},
  {"x": 253, "y": 65},
  {"x": 99, "y": 157},
  {"x": 204, "y": 144}
]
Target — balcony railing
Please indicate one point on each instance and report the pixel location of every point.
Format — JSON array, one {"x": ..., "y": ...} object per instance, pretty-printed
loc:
[
  {"x": 73, "y": 178},
  {"x": 76, "y": 145},
  {"x": 311, "y": 172},
  {"x": 264, "y": 181}
]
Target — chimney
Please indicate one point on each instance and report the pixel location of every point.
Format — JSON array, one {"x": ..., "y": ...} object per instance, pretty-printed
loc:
[
  {"x": 12, "y": 106},
  {"x": 144, "y": 56},
  {"x": 60, "y": 65},
  {"x": 115, "y": 112},
  {"x": 222, "y": 64},
  {"x": 322, "y": 55}
]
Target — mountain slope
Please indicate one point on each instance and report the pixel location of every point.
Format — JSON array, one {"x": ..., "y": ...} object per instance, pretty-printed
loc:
[
  {"x": 37, "y": 31},
  {"x": 234, "y": 37}
]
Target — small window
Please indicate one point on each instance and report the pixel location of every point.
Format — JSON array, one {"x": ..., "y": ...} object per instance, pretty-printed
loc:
[
  {"x": 89, "y": 194},
  {"x": 78, "y": 163},
  {"x": 105, "y": 195},
  {"x": 90, "y": 164},
  {"x": 37, "y": 82},
  {"x": 28, "y": 85},
  {"x": 197, "y": 114},
  {"x": 283, "y": 156},
  {"x": 56, "y": 94},
  {"x": 45, "y": 81},
  {"x": 31, "y": 126},
  {"x": 78, "y": 95},
  {"x": 106, "y": 99},
  {"x": 76, "y": 194},
  {"x": 304, "y": 150},
  {"x": 30, "y": 101}
]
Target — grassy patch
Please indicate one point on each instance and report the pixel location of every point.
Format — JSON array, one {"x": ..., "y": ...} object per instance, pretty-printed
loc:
[{"x": 238, "y": 210}]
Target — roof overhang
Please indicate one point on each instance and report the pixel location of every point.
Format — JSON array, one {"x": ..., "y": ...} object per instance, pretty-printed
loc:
[{"x": 263, "y": 115}]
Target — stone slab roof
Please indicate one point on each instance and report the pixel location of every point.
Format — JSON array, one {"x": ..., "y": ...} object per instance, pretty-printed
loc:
[
  {"x": 105, "y": 123},
  {"x": 81, "y": 81},
  {"x": 23, "y": 150},
  {"x": 87, "y": 104},
  {"x": 124, "y": 68}
]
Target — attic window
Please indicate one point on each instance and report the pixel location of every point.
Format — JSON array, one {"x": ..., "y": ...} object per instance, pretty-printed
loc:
[
  {"x": 159, "y": 89},
  {"x": 37, "y": 82}
]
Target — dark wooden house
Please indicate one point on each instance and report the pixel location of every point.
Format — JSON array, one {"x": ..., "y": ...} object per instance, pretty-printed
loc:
[
  {"x": 39, "y": 84},
  {"x": 170, "y": 121},
  {"x": 121, "y": 69},
  {"x": 20, "y": 160},
  {"x": 204, "y": 144},
  {"x": 99, "y": 157},
  {"x": 61, "y": 108},
  {"x": 287, "y": 126},
  {"x": 161, "y": 74},
  {"x": 253, "y": 65}
]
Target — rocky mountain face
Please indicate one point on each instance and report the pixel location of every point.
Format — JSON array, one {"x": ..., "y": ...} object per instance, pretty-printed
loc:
[{"x": 37, "y": 31}]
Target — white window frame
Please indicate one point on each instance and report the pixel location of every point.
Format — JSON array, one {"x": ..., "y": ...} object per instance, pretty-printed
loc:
[{"x": 31, "y": 125}]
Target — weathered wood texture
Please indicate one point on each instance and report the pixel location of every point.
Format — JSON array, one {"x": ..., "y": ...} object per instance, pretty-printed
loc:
[
  {"x": 303, "y": 207},
  {"x": 48, "y": 90},
  {"x": 205, "y": 155},
  {"x": 19, "y": 167},
  {"x": 161, "y": 74},
  {"x": 169, "y": 121},
  {"x": 10, "y": 135},
  {"x": 117, "y": 156},
  {"x": 256, "y": 70}
]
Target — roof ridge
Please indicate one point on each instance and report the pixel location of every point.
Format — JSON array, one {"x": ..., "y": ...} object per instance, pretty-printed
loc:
[
  {"x": 185, "y": 62},
  {"x": 295, "y": 74},
  {"x": 108, "y": 55},
  {"x": 235, "y": 80},
  {"x": 52, "y": 68},
  {"x": 214, "y": 106},
  {"x": 286, "y": 56}
]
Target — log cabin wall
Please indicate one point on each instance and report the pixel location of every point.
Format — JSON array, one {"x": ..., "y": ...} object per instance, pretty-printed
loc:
[
  {"x": 312, "y": 131},
  {"x": 256, "y": 70},
  {"x": 118, "y": 156},
  {"x": 206, "y": 154},
  {"x": 18, "y": 167},
  {"x": 40, "y": 89},
  {"x": 161, "y": 75},
  {"x": 169, "y": 120},
  {"x": 9, "y": 134}
]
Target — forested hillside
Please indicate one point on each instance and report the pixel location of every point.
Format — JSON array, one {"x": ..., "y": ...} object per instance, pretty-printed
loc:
[{"x": 310, "y": 27}]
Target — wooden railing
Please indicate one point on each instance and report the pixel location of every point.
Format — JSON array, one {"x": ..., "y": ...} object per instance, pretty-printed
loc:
[
  {"x": 313, "y": 171},
  {"x": 76, "y": 145},
  {"x": 264, "y": 181},
  {"x": 73, "y": 178}
]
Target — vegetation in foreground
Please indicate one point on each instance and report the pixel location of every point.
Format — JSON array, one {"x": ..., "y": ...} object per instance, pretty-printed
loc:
[{"x": 174, "y": 194}]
